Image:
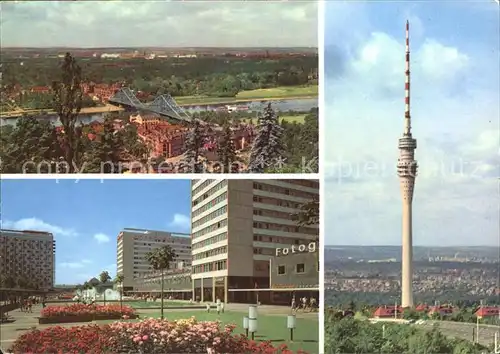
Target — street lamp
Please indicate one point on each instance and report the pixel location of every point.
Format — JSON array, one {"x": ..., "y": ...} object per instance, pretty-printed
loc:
[
  {"x": 252, "y": 312},
  {"x": 290, "y": 324},
  {"x": 246, "y": 325},
  {"x": 252, "y": 326},
  {"x": 252, "y": 320}
]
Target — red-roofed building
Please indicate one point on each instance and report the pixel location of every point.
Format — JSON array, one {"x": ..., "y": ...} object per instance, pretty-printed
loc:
[
  {"x": 422, "y": 308},
  {"x": 388, "y": 311},
  {"x": 442, "y": 310},
  {"x": 40, "y": 89},
  {"x": 165, "y": 139},
  {"x": 487, "y": 311}
]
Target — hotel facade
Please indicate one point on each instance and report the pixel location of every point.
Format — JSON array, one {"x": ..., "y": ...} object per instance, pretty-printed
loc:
[
  {"x": 238, "y": 227},
  {"x": 133, "y": 246},
  {"x": 28, "y": 256}
]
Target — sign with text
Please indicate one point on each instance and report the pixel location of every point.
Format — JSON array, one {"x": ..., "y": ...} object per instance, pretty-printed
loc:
[{"x": 303, "y": 248}]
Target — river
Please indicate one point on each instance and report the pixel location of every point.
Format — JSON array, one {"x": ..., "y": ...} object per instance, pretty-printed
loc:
[{"x": 297, "y": 105}]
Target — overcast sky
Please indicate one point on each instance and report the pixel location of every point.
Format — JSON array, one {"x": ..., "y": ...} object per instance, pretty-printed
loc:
[
  {"x": 159, "y": 24},
  {"x": 455, "y": 119}
]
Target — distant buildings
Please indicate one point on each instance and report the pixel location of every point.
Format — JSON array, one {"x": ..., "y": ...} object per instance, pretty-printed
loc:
[
  {"x": 134, "y": 244},
  {"x": 388, "y": 312},
  {"x": 487, "y": 311},
  {"x": 28, "y": 258}
]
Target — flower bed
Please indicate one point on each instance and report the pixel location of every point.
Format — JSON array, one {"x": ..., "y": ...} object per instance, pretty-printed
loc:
[
  {"x": 148, "y": 336},
  {"x": 84, "y": 313}
]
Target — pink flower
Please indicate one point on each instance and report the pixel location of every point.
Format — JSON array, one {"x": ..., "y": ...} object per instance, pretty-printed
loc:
[{"x": 144, "y": 337}]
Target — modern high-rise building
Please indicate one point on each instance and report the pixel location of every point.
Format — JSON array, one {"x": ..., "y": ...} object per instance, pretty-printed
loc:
[
  {"x": 407, "y": 172},
  {"x": 134, "y": 244},
  {"x": 27, "y": 258},
  {"x": 237, "y": 227}
]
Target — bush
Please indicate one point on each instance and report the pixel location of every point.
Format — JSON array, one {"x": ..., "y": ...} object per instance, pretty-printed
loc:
[
  {"x": 82, "y": 309},
  {"x": 91, "y": 339},
  {"x": 148, "y": 336}
]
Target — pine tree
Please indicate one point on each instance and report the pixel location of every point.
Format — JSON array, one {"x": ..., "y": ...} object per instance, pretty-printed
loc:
[
  {"x": 193, "y": 145},
  {"x": 226, "y": 149},
  {"x": 67, "y": 102},
  {"x": 105, "y": 150},
  {"x": 267, "y": 148},
  {"x": 31, "y": 146}
]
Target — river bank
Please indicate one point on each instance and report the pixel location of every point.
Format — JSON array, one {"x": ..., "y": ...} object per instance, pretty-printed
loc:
[{"x": 259, "y": 95}]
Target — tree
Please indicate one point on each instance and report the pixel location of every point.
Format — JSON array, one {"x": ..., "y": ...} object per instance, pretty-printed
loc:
[
  {"x": 22, "y": 283},
  {"x": 267, "y": 148},
  {"x": 193, "y": 145},
  {"x": 119, "y": 282},
  {"x": 133, "y": 145},
  {"x": 308, "y": 214},
  {"x": 8, "y": 281},
  {"x": 104, "y": 277},
  {"x": 105, "y": 149},
  {"x": 67, "y": 101},
  {"x": 160, "y": 259},
  {"x": 226, "y": 149},
  {"x": 31, "y": 146}
]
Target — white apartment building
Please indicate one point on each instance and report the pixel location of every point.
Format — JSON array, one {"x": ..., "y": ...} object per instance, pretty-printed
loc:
[
  {"x": 134, "y": 244},
  {"x": 237, "y": 225},
  {"x": 28, "y": 256}
]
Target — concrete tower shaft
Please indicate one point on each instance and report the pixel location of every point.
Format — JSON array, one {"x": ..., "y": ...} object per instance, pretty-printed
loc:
[{"x": 407, "y": 171}]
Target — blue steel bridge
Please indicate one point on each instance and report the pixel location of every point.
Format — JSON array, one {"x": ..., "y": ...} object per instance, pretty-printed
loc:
[{"x": 163, "y": 105}]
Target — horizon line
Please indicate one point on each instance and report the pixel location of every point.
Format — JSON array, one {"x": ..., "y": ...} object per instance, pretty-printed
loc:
[
  {"x": 413, "y": 246},
  {"x": 162, "y": 47}
]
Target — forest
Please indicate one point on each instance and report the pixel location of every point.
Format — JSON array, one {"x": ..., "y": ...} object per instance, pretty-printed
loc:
[
  {"x": 208, "y": 76},
  {"x": 351, "y": 335}
]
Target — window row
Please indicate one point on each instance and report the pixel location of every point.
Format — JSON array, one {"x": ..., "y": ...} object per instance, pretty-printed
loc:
[
  {"x": 211, "y": 216},
  {"x": 203, "y": 185},
  {"x": 272, "y": 214},
  {"x": 277, "y": 202},
  {"x": 279, "y": 239},
  {"x": 211, "y": 228},
  {"x": 210, "y": 241},
  {"x": 299, "y": 268},
  {"x": 210, "y": 267},
  {"x": 210, "y": 253},
  {"x": 212, "y": 203},
  {"x": 286, "y": 191},
  {"x": 208, "y": 193},
  {"x": 303, "y": 182},
  {"x": 285, "y": 228}
]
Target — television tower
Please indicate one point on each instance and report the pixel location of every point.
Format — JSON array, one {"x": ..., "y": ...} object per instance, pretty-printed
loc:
[{"x": 407, "y": 172}]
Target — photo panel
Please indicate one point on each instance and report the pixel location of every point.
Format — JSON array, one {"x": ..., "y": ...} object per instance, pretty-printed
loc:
[
  {"x": 411, "y": 177},
  {"x": 156, "y": 263},
  {"x": 159, "y": 87}
]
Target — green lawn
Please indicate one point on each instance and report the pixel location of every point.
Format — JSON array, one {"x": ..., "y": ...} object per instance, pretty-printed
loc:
[
  {"x": 280, "y": 92},
  {"x": 290, "y": 119},
  {"x": 147, "y": 304},
  {"x": 273, "y": 328},
  {"x": 276, "y": 93}
]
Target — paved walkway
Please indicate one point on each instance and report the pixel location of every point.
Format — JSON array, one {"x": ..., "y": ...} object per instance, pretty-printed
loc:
[{"x": 24, "y": 322}]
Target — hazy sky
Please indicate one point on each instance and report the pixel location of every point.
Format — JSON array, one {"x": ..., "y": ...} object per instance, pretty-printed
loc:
[
  {"x": 159, "y": 23},
  {"x": 455, "y": 117},
  {"x": 87, "y": 216}
]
